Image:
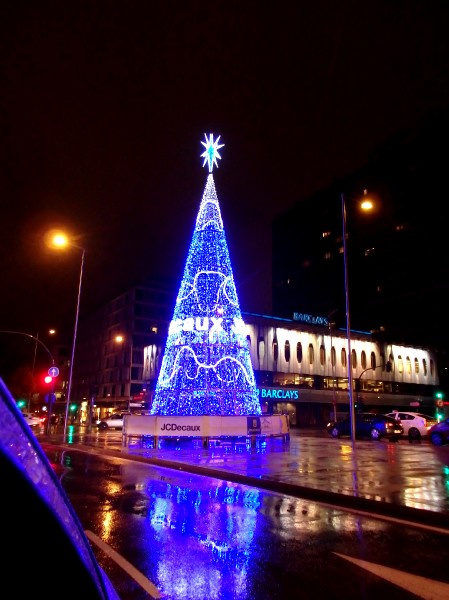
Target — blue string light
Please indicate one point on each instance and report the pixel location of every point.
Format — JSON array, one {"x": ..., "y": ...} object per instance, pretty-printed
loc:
[{"x": 206, "y": 367}]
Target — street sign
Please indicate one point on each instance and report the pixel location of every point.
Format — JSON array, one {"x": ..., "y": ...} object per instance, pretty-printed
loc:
[{"x": 53, "y": 371}]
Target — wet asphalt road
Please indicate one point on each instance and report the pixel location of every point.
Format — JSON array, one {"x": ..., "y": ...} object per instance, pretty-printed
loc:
[
  {"x": 214, "y": 537},
  {"x": 410, "y": 479}
]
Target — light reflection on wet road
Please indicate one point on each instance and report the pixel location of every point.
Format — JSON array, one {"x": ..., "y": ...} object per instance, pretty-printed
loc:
[
  {"x": 197, "y": 537},
  {"x": 413, "y": 474}
]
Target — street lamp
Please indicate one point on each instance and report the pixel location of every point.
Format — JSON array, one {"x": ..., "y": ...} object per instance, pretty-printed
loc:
[
  {"x": 120, "y": 339},
  {"x": 365, "y": 205},
  {"x": 60, "y": 240}
]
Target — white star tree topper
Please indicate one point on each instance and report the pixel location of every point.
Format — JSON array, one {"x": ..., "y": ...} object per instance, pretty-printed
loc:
[{"x": 211, "y": 153}]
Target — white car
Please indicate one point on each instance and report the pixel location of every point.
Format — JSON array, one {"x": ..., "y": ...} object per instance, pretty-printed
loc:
[
  {"x": 32, "y": 420},
  {"x": 415, "y": 425},
  {"x": 114, "y": 421}
]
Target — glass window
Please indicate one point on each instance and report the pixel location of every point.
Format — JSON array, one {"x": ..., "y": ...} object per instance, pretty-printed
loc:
[
  {"x": 416, "y": 365},
  {"x": 261, "y": 348},
  {"x": 275, "y": 349},
  {"x": 408, "y": 365},
  {"x": 424, "y": 366},
  {"x": 287, "y": 351},
  {"x": 299, "y": 352},
  {"x": 363, "y": 359},
  {"x": 322, "y": 355},
  {"x": 432, "y": 367},
  {"x": 311, "y": 354},
  {"x": 391, "y": 361},
  {"x": 353, "y": 359},
  {"x": 373, "y": 360},
  {"x": 344, "y": 362},
  {"x": 400, "y": 365},
  {"x": 333, "y": 356}
]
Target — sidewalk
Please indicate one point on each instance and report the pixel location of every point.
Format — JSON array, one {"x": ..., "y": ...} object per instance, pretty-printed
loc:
[{"x": 400, "y": 479}]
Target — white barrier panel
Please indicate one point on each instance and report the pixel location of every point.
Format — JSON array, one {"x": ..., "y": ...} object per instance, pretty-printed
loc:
[{"x": 204, "y": 426}]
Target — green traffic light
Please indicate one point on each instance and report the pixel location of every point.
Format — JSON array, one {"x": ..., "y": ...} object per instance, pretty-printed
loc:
[
  {"x": 21, "y": 403},
  {"x": 73, "y": 407}
]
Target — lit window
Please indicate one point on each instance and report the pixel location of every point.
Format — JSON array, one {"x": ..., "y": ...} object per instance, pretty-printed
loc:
[
  {"x": 408, "y": 365},
  {"x": 311, "y": 354},
  {"x": 322, "y": 355},
  {"x": 391, "y": 361},
  {"x": 363, "y": 359}
]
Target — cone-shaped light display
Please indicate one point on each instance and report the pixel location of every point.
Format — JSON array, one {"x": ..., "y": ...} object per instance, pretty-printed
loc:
[{"x": 206, "y": 367}]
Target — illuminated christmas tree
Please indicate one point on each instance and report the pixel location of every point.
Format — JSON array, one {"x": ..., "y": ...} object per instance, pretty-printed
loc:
[{"x": 206, "y": 367}]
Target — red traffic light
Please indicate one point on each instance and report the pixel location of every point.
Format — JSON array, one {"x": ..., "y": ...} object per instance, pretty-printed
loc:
[{"x": 48, "y": 379}]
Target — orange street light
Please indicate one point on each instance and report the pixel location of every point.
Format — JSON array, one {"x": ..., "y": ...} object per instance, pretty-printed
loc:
[
  {"x": 58, "y": 239},
  {"x": 366, "y": 205}
]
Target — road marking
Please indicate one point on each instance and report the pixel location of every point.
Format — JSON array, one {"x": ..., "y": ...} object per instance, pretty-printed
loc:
[
  {"x": 139, "y": 577},
  {"x": 428, "y": 589}
]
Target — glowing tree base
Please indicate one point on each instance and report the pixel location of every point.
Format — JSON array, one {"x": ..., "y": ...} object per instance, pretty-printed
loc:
[{"x": 206, "y": 428}]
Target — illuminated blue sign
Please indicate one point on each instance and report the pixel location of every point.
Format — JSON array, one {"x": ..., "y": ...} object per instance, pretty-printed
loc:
[
  {"x": 278, "y": 394},
  {"x": 310, "y": 319}
]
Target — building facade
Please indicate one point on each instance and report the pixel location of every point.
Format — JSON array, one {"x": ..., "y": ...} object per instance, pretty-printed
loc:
[
  {"x": 300, "y": 364},
  {"x": 395, "y": 254}
]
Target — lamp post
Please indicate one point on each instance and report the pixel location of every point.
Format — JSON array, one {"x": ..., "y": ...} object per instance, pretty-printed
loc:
[
  {"x": 120, "y": 339},
  {"x": 60, "y": 240},
  {"x": 348, "y": 320},
  {"x": 386, "y": 364},
  {"x": 366, "y": 205}
]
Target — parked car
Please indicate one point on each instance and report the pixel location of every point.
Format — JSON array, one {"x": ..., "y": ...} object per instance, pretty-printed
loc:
[
  {"x": 439, "y": 433},
  {"x": 114, "y": 421},
  {"x": 32, "y": 420},
  {"x": 416, "y": 425},
  {"x": 367, "y": 425}
]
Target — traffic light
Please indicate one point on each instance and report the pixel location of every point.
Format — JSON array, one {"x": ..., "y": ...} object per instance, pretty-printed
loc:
[
  {"x": 21, "y": 403},
  {"x": 48, "y": 379},
  {"x": 73, "y": 407},
  {"x": 439, "y": 401}
]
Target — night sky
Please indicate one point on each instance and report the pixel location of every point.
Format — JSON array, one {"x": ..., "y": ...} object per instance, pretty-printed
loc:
[{"x": 104, "y": 105}]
